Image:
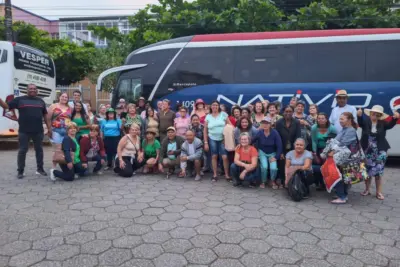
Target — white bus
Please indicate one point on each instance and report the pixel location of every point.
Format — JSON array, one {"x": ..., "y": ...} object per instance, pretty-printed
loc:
[{"x": 21, "y": 65}]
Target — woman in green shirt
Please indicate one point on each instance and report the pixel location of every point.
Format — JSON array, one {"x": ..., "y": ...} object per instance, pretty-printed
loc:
[
  {"x": 81, "y": 119},
  {"x": 320, "y": 132},
  {"x": 151, "y": 147},
  {"x": 72, "y": 165}
]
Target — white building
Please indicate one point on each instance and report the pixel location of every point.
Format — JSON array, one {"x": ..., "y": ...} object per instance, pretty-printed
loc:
[{"x": 76, "y": 29}]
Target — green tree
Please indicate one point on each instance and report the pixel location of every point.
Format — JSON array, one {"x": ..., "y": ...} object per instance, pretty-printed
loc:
[{"x": 105, "y": 58}]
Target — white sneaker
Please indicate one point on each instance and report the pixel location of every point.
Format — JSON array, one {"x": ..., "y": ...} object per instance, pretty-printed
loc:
[
  {"x": 99, "y": 173},
  {"x": 52, "y": 176},
  {"x": 107, "y": 168},
  {"x": 197, "y": 178},
  {"x": 76, "y": 176}
]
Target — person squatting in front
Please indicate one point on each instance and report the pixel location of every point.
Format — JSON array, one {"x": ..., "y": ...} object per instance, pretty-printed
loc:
[
  {"x": 244, "y": 167},
  {"x": 191, "y": 155},
  {"x": 130, "y": 156},
  {"x": 72, "y": 168}
]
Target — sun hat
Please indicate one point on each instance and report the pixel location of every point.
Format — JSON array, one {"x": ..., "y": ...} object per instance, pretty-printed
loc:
[
  {"x": 266, "y": 119},
  {"x": 171, "y": 128},
  {"x": 342, "y": 93},
  {"x": 151, "y": 131},
  {"x": 200, "y": 101},
  {"x": 377, "y": 109}
]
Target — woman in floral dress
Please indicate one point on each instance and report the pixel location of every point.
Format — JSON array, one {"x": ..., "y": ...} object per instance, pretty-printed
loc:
[{"x": 375, "y": 145}]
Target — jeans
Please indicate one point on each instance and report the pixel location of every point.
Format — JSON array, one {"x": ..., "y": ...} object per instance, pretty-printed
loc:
[
  {"x": 111, "y": 145},
  {"x": 216, "y": 147},
  {"x": 58, "y": 135},
  {"x": 235, "y": 171},
  {"x": 69, "y": 174},
  {"x": 342, "y": 190},
  {"x": 273, "y": 166},
  {"x": 23, "y": 139},
  {"x": 98, "y": 166}
]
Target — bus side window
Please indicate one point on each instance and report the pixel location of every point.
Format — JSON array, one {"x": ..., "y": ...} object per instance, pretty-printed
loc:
[
  {"x": 265, "y": 64},
  {"x": 199, "y": 66},
  {"x": 331, "y": 62},
  {"x": 383, "y": 61},
  {"x": 4, "y": 56}
]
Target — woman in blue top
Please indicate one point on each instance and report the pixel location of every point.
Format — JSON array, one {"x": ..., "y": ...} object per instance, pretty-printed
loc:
[
  {"x": 111, "y": 133},
  {"x": 213, "y": 138},
  {"x": 269, "y": 145},
  {"x": 347, "y": 137}
]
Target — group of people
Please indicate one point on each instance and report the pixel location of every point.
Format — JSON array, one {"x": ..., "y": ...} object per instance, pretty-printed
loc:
[{"x": 262, "y": 145}]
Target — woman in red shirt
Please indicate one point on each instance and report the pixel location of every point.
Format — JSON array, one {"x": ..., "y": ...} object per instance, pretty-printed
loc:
[{"x": 244, "y": 167}]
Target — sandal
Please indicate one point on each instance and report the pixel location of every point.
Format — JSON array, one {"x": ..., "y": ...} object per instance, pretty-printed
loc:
[
  {"x": 338, "y": 201},
  {"x": 365, "y": 193},
  {"x": 182, "y": 175},
  {"x": 228, "y": 179},
  {"x": 380, "y": 196},
  {"x": 214, "y": 179}
]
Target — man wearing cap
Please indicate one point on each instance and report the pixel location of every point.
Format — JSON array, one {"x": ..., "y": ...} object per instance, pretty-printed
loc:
[
  {"x": 170, "y": 151},
  {"x": 166, "y": 117},
  {"x": 191, "y": 155},
  {"x": 341, "y": 98}
]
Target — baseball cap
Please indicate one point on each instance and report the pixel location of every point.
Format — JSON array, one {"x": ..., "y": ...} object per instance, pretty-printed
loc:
[{"x": 171, "y": 128}]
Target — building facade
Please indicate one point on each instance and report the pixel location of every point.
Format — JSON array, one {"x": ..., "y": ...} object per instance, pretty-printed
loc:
[
  {"x": 19, "y": 14},
  {"x": 76, "y": 29}
]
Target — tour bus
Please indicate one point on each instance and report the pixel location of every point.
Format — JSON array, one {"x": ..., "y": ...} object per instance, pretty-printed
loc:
[
  {"x": 21, "y": 65},
  {"x": 243, "y": 68}
]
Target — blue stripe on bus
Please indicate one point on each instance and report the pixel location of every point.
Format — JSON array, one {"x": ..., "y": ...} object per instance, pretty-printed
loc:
[{"x": 363, "y": 94}]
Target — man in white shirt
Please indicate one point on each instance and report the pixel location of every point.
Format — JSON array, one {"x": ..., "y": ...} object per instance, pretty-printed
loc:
[
  {"x": 77, "y": 95},
  {"x": 341, "y": 98}
]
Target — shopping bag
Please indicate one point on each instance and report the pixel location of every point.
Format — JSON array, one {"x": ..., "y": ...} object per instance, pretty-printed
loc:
[{"x": 330, "y": 173}]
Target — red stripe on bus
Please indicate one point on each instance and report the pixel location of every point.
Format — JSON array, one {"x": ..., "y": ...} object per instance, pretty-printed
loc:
[{"x": 289, "y": 34}]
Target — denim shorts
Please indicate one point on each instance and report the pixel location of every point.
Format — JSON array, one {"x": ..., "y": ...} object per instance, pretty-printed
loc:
[
  {"x": 58, "y": 135},
  {"x": 217, "y": 147}
]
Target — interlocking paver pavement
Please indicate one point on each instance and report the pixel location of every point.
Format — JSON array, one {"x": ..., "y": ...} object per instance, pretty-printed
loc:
[{"x": 150, "y": 221}]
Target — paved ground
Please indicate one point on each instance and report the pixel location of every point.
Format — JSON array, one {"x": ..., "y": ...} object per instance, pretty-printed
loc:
[{"x": 149, "y": 221}]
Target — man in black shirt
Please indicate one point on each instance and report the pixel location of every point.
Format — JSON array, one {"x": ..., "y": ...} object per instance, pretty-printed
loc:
[{"x": 32, "y": 111}]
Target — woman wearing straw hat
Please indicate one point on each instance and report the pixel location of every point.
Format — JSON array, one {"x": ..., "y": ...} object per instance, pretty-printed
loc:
[{"x": 374, "y": 144}]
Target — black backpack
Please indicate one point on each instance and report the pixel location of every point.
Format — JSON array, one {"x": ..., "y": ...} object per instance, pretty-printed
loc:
[{"x": 297, "y": 187}]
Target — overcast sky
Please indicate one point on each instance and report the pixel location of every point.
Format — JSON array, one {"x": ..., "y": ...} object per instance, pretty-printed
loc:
[{"x": 54, "y": 9}]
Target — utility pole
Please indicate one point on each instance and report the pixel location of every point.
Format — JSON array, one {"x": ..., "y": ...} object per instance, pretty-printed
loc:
[{"x": 8, "y": 20}]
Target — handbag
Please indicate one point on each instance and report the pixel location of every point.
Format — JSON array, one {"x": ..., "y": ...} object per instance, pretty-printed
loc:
[{"x": 59, "y": 156}]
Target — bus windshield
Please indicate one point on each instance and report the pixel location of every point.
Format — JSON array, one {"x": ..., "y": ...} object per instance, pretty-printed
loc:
[{"x": 34, "y": 66}]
